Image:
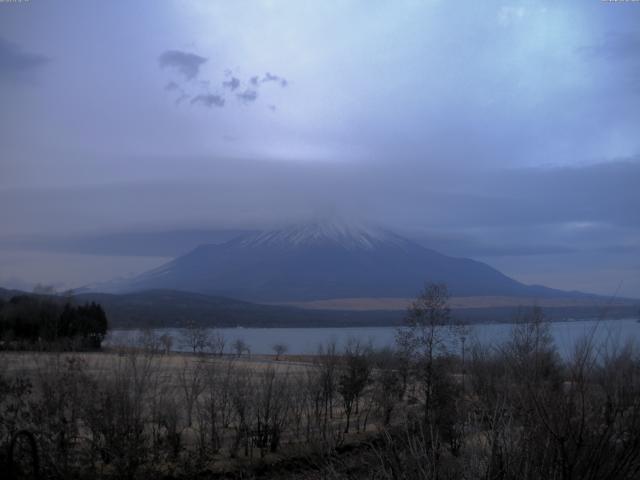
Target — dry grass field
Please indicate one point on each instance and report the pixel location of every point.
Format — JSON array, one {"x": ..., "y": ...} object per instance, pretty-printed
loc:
[
  {"x": 513, "y": 411},
  {"x": 130, "y": 410}
]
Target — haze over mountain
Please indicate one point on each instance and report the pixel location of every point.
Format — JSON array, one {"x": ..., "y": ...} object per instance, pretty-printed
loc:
[{"x": 324, "y": 260}]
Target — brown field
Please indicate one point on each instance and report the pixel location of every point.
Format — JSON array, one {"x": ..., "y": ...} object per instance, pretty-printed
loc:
[
  {"x": 219, "y": 412},
  {"x": 507, "y": 412},
  {"x": 395, "y": 303}
]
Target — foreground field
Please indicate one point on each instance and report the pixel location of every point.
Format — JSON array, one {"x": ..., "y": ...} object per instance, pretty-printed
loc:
[
  {"x": 132, "y": 410},
  {"x": 514, "y": 411}
]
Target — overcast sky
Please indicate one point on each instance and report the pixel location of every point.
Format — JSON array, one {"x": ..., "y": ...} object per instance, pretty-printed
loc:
[{"x": 501, "y": 130}]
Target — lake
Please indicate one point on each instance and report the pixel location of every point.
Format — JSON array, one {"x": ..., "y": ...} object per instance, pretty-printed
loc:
[{"x": 307, "y": 340}]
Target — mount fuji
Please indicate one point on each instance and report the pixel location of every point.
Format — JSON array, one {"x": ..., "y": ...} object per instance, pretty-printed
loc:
[{"x": 321, "y": 261}]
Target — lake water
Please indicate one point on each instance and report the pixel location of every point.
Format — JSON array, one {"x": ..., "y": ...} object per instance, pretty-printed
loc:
[{"x": 307, "y": 340}]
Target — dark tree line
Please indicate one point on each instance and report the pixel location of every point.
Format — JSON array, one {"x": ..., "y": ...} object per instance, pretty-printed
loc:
[{"x": 30, "y": 319}]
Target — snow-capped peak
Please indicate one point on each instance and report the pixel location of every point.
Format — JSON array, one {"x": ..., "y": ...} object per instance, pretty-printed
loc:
[{"x": 323, "y": 233}]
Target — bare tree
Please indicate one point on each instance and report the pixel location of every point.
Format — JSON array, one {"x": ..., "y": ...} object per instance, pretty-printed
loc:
[
  {"x": 217, "y": 342},
  {"x": 327, "y": 362},
  {"x": 423, "y": 337},
  {"x": 271, "y": 411},
  {"x": 388, "y": 381},
  {"x": 280, "y": 349},
  {"x": 240, "y": 346},
  {"x": 191, "y": 384},
  {"x": 242, "y": 399},
  {"x": 172, "y": 425},
  {"x": 166, "y": 341},
  {"x": 216, "y": 409},
  {"x": 195, "y": 337},
  {"x": 116, "y": 412},
  {"x": 148, "y": 340},
  {"x": 354, "y": 376}
]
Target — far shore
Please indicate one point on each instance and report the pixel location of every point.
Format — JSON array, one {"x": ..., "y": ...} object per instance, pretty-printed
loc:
[{"x": 402, "y": 303}]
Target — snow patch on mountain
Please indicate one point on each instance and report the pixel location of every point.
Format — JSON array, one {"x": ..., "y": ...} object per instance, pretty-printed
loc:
[{"x": 323, "y": 233}]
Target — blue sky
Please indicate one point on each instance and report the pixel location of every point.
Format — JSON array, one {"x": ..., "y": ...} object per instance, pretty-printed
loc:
[{"x": 501, "y": 130}]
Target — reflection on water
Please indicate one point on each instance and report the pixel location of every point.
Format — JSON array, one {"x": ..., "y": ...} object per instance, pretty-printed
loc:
[{"x": 307, "y": 340}]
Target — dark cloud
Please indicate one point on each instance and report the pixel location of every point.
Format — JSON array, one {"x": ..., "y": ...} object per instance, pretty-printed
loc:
[
  {"x": 268, "y": 77},
  {"x": 209, "y": 100},
  {"x": 248, "y": 96},
  {"x": 14, "y": 62},
  {"x": 232, "y": 83},
  {"x": 188, "y": 64}
]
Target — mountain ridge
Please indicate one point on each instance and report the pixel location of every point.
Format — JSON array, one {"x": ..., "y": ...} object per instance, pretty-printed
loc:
[{"x": 325, "y": 260}]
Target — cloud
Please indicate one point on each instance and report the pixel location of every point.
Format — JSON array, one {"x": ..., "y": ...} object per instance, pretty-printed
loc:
[
  {"x": 182, "y": 98},
  {"x": 232, "y": 83},
  {"x": 268, "y": 77},
  {"x": 209, "y": 100},
  {"x": 508, "y": 14},
  {"x": 634, "y": 249},
  {"x": 555, "y": 214},
  {"x": 188, "y": 64},
  {"x": 174, "y": 87},
  {"x": 614, "y": 46},
  {"x": 616, "y": 51},
  {"x": 470, "y": 246},
  {"x": 171, "y": 86},
  {"x": 15, "y": 62},
  {"x": 248, "y": 96}
]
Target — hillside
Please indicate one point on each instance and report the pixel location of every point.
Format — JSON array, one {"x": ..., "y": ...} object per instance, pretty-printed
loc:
[{"x": 324, "y": 260}]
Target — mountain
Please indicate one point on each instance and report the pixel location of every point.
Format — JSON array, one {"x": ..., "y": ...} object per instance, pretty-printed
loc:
[{"x": 324, "y": 260}]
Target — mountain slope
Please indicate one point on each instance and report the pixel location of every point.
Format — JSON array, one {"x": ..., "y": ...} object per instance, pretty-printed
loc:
[{"x": 324, "y": 260}]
